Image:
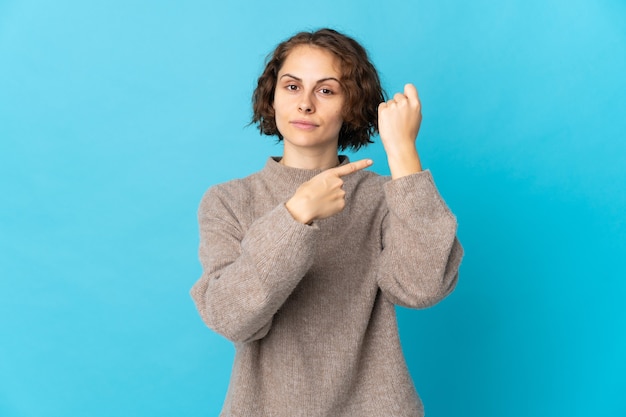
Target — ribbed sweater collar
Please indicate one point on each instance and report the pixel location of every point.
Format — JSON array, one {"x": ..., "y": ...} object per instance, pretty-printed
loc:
[{"x": 278, "y": 173}]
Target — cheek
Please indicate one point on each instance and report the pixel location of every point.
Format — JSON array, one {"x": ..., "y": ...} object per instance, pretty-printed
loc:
[
  {"x": 279, "y": 117},
  {"x": 339, "y": 116},
  {"x": 278, "y": 104}
]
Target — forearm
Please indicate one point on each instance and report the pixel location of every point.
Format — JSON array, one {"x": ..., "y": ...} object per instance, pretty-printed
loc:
[
  {"x": 403, "y": 160},
  {"x": 245, "y": 281},
  {"x": 421, "y": 254}
]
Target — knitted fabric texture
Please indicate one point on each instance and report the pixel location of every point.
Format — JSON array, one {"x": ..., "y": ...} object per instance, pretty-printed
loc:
[{"x": 310, "y": 308}]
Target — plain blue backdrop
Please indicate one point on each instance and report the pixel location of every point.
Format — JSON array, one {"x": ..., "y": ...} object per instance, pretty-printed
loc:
[{"x": 116, "y": 116}]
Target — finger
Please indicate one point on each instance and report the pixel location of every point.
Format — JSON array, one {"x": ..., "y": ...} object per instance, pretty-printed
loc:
[
  {"x": 381, "y": 108},
  {"x": 351, "y": 167},
  {"x": 411, "y": 92},
  {"x": 399, "y": 97}
]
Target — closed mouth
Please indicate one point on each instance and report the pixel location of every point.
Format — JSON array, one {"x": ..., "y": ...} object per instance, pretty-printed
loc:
[{"x": 303, "y": 124}]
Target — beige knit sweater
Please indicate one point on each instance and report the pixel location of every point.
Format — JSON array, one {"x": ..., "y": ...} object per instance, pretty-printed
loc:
[{"x": 310, "y": 308}]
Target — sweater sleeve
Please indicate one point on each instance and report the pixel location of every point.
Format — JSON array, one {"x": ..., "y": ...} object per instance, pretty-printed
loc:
[
  {"x": 247, "y": 274},
  {"x": 421, "y": 254}
]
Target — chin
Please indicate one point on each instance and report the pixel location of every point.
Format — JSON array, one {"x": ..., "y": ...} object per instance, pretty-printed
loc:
[{"x": 311, "y": 143}]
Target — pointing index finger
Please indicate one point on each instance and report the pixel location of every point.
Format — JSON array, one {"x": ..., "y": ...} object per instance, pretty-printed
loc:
[{"x": 351, "y": 167}]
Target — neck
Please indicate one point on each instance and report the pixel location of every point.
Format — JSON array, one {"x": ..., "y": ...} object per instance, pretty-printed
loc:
[{"x": 310, "y": 159}]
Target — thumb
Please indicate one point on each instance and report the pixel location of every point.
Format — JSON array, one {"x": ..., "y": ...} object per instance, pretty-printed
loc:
[{"x": 411, "y": 92}]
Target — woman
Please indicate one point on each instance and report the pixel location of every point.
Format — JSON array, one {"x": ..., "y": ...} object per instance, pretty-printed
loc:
[{"x": 304, "y": 260}]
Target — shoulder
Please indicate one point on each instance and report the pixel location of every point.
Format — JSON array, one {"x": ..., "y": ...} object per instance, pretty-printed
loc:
[{"x": 233, "y": 193}]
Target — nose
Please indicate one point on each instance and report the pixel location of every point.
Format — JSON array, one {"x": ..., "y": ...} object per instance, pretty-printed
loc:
[{"x": 306, "y": 104}]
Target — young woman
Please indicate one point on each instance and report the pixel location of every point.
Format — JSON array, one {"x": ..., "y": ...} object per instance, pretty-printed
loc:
[{"x": 304, "y": 260}]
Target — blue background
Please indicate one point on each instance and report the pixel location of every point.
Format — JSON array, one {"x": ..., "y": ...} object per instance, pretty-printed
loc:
[{"x": 116, "y": 116}]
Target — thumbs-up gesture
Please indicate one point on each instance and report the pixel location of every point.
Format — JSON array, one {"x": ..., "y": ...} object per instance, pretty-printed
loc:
[
  {"x": 399, "y": 122},
  {"x": 322, "y": 196}
]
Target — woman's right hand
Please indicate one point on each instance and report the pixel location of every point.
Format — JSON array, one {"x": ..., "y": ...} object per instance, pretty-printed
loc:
[{"x": 323, "y": 196}]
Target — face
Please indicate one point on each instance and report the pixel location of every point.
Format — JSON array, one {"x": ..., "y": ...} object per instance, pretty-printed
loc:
[{"x": 308, "y": 100}]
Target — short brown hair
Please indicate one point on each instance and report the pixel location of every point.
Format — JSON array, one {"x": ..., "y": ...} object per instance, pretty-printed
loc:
[{"x": 359, "y": 81}]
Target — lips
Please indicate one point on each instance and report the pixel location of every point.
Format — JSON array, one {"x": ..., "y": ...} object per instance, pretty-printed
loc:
[{"x": 303, "y": 124}]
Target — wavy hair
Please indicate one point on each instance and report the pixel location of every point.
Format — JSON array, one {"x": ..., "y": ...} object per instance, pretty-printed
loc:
[{"x": 359, "y": 81}]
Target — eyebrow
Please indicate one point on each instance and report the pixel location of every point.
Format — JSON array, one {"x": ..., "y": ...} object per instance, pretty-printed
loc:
[{"x": 318, "y": 81}]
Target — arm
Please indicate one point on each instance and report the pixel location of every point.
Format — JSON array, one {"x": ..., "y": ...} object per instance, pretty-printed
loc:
[
  {"x": 421, "y": 254},
  {"x": 247, "y": 274}
]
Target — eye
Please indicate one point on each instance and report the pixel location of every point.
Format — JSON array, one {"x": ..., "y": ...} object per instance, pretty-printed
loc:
[
  {"x": 291, "y": 87},
  {"x": 326, "y": 91}
]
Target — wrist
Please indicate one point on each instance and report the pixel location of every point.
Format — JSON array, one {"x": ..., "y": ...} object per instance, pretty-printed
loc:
[
  {"x": 403, "y": 162},
  {"x": 297, "y": 211}
]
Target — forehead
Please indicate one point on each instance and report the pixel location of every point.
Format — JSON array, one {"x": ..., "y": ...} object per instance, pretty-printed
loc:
[{"x": 312, "y": 60}]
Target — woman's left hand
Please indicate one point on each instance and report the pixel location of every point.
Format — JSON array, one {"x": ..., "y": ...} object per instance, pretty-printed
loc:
[{"x": 399, "y": 122}]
